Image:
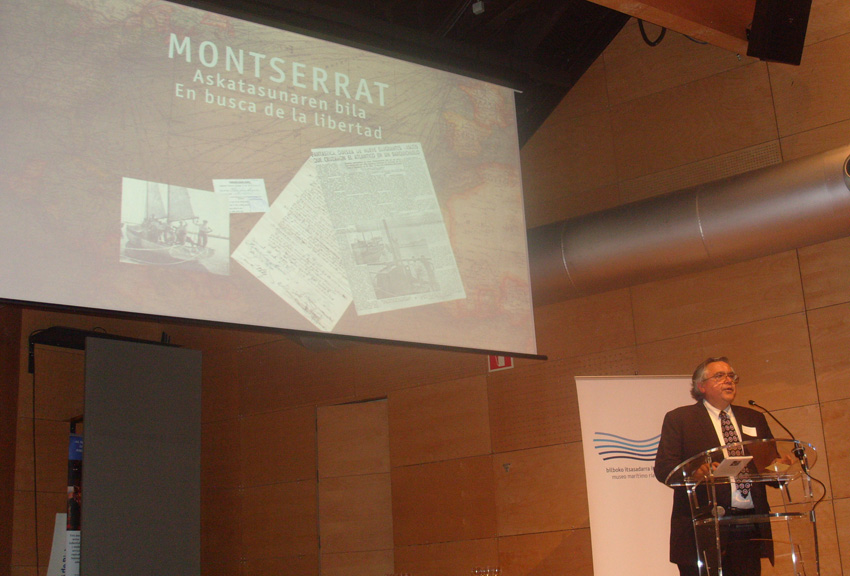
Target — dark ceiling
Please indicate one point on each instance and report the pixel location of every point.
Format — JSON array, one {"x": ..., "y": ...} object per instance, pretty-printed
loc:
[{"x": 540, "y": 47}]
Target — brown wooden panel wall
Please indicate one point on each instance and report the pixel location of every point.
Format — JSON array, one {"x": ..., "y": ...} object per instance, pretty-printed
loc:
[
  {"x": 355, "y": 513},
  {"x": 353, "y": 439},
  {"x": 825, "y": 277},
  {"x": 279, "y": 521},
  {"x": 718, "y": 298},
  {"x": 634, "y": 71},
  {"x": 439, "y": 422},
  {"x": 830, "y": 333},
  {"x": 691, "y": 121},
  {"x": 814, "y": 94},
  {"x": 547, "y": 553},
  {"x": 540, "y": 490},
  {"x": 355, "y": 494},
  {"x": 533, "y": 407},
  {"x": 10, "y": 344},
  {"x": 278, "y": 446},
  {"x": 459, "y": 557},
  {"x": 446, "y": 501},
  {"x": 576, "y": 328},
  {"x": 842, "y": 525}
]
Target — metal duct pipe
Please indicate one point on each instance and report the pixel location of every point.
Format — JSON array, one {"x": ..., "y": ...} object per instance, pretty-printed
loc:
[{"x": 766, "y": 211}]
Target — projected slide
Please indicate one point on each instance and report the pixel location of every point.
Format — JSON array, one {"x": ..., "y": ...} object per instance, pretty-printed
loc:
[{"x": 163, "y": 160}]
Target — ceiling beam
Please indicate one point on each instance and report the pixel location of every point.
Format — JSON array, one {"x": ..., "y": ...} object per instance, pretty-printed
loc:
[{"x": 721, "y": 23}]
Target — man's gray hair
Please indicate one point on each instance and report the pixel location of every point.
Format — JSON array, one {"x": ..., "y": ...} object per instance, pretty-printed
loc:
[{"x": 699, "y": 376}]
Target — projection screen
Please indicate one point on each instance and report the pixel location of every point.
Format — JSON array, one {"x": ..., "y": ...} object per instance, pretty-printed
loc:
[{"x": 168, "y": 161}]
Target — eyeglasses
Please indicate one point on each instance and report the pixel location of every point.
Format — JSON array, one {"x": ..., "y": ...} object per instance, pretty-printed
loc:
[{"x": 721, "y": 376}]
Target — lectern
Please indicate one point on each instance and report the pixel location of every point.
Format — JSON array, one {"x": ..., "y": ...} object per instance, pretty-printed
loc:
[{"x": 781, "y": 464}]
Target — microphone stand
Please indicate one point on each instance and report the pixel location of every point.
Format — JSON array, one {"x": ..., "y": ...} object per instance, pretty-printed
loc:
[
  {"x": 798, "y": 451},
  {"x": 801, "y": 455}
]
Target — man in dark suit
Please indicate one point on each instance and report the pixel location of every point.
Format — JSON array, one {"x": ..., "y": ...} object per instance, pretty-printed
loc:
[{"x": 690, "y": 430}]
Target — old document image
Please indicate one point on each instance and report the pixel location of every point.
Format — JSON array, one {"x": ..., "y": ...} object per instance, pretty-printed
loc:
[
  {"x": 293, "y": 251},
  {"x": 387, "y": 220}
]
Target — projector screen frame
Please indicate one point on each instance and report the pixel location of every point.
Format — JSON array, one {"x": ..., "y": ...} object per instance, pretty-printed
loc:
[{"x": 76, "y": 304}]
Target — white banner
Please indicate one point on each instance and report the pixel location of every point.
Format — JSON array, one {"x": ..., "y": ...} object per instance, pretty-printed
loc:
[{"x": 621, "y": 420}]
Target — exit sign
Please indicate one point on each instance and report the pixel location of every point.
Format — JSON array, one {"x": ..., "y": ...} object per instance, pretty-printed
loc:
[{"x": 500, "y": 363}]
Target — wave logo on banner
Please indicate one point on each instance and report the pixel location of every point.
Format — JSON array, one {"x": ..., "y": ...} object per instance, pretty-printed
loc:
[{"x": 613, "y": 447}]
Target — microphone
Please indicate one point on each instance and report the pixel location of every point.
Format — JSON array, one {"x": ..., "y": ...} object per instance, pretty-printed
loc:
[
  {"x": 769, "y": 413},
  {"x": 798, "y": 450}
]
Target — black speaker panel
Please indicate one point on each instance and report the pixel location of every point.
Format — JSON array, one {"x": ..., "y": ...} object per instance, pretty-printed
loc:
[{"x": 778, "y": 31}]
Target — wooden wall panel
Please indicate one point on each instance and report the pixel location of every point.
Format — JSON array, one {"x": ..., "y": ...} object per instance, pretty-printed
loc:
[
  {"x": 279, "y": 520},
  {"x": 443, "y": 502},
  {"x": 570, "y": 155},
  {"x": 562, "y": 141},
  {"x": 355, "y": 513},
  {"x": 24, "y": 458},
  {"x": 220, "y": 386},
  {"x": 51, "y": 454},
  {"x": 291, "y": 565},
  {"x": 635, "y": 69},
  {"x": 279, "y": 446},
  {"x": 533, "y": 406},
  {"x": 57, "y": 383},
  {"x": 673, "y": 356},
  {"x": 689, "y": 122},
  {"x": 447, "y": 559},
  {"x": 815, "y": 141},
  {"x": 540, "y": 490},
  {"x": 815, "y": 93},
  {"x": 23, "y": 529},
  {"x": 369, "y": 563},
  {"x": 10, "y": 340},
  {"x": 836, "y": 423},
  {"x": 355, "y": 501},
  {"x": 842, "y": 522},
  {"x": 827, "y": 19},
  {"x": 702, "y": 171},
  {"x": 221, "y": 526},
  {"x": 383, "y": 368},
  {"x": 439, "y": 422},
  {"x": 285, "y": 374},
  {"x": 282, "y": 375},
  {"x": 221, "y": 454},
  {"x": 353, "y": 439},
  {"x": 221, "y": 568},
  {"x": 826, "y": 277},
  {"x": 585, "y": 326},
  {"x": 560, "y": 204},
  {"x": 547, "y": 553},
  {"x": 716, "y": 298},
  {"x": 830, "y": 336},
  {"x": 605, "y": 363}
]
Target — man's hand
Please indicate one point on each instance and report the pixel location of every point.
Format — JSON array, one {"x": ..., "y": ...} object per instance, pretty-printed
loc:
[{"x": 704, "y": 471}]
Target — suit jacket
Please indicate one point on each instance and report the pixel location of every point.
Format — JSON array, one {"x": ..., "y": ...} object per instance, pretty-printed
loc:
[{"x": 686, "y": 432}]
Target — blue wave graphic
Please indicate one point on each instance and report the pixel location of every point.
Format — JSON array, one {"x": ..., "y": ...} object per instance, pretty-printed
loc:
[{"x": 613, "y": 447}]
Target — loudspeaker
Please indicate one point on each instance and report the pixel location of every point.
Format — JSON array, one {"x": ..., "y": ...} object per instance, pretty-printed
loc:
[{"x": 778, "y": 31}]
